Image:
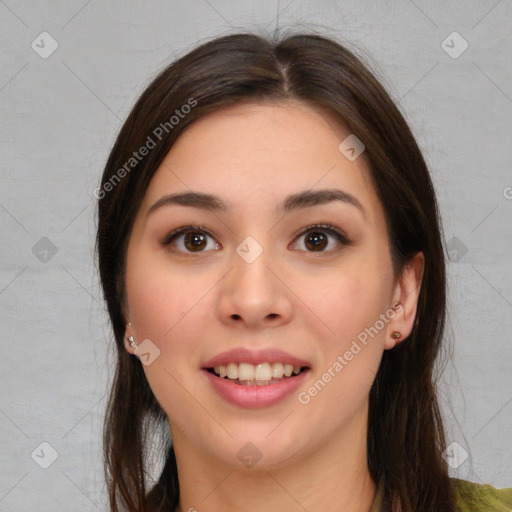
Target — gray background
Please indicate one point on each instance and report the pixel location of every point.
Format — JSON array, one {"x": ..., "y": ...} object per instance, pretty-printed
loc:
[{"x": 59, "y": 119}]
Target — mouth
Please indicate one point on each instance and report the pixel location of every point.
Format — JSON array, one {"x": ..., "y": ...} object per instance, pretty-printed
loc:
[{"x": 262, "y": 374}]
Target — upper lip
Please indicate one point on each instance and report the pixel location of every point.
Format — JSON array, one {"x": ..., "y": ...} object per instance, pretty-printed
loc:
[{"x": 245, "y": 355}]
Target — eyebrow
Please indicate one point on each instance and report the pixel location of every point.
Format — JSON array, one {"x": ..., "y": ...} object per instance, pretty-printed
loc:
[{"x": 292, "y": 202}]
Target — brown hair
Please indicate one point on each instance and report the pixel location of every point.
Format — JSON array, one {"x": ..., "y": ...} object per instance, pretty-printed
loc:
[{"x": 405, "y": 432}]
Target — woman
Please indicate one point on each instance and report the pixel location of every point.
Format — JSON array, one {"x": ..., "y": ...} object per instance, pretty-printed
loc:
[{"x": 270, "y": 251}]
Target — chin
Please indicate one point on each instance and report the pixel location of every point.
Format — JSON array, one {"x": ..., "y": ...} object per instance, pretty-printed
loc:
[{"x": 261, "y": 447}]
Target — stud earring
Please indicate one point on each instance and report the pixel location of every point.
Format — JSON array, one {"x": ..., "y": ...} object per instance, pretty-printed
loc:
[
  {"x": 396, "y": 335},
  {"x": 132, "y": 342}
]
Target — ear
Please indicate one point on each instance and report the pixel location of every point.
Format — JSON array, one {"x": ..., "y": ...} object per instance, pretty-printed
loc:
[{"x": 406, "y": 293}]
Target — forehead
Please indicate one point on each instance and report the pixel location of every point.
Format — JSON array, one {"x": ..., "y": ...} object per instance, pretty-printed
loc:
[{"x": 254, "y": 154}]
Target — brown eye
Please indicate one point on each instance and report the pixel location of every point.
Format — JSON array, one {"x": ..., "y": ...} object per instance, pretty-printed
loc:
[
  {"x": 318, "y": 237},
  {"x": 195, "y": 241},
  {"x": 190, "y": 239},
  {"x": 316, "y": 241}
]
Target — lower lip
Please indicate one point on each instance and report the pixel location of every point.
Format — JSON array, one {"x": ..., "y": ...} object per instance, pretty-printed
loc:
[{"x": 255, "y": 396}]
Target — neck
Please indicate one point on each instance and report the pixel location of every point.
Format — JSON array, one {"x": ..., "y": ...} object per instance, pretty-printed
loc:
[{"x": 332, "y": 476}]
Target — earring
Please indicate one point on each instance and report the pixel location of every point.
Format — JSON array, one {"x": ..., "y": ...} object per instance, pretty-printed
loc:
[
  {"x": 396, "y": 335},
  {"x": 132, "y": 342}
]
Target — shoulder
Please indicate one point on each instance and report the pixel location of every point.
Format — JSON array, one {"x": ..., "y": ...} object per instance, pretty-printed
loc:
[{"x": 473, "y": 497}]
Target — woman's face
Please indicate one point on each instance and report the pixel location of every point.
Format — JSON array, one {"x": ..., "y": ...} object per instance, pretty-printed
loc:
[{"x": 255, "y": 285}]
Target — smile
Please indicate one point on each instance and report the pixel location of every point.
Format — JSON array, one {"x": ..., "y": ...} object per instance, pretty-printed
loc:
[
  {"x": 263, "y": 374},
  {"x": 255, "y": 378}
]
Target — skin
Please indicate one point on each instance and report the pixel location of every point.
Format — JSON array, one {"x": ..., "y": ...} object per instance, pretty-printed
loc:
[{"x": 194, "y": 305}]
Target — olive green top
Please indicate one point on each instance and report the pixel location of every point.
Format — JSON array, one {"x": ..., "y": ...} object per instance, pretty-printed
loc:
[
  {"x": 473, "y": 497},
  {"x": 469, "y": 496}
]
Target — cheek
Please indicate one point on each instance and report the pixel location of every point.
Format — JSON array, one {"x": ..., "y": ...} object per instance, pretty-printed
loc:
[
  {"x": 347, "y": 301},
  {"x": 350, "y": 303},
  {"x": 154, "y": 300},
  {"x": 160, "y": 298},
  {"x": 170, "y": 306},
  {"x": 166, "y": 307}
]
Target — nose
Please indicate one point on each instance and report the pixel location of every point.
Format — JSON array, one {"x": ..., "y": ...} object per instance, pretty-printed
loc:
[{"x": 253, "y": 295}]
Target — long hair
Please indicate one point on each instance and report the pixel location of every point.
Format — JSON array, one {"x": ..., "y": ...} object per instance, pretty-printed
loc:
[{"x": 405, "y": 429}]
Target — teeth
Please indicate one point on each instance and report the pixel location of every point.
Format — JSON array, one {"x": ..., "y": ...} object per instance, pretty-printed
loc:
[
  {"x": 232, "y": 371},
  {"x": 246, "y": 371},
  {"x": 288, "y": 369},
  {"x": 263, "y": 372},
  {"x": 260, "y": 375},
  {"x": 277, "y": 370}
]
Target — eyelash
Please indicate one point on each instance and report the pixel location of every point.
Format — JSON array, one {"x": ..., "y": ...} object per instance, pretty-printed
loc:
[{"x": 327, "y": 228}]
